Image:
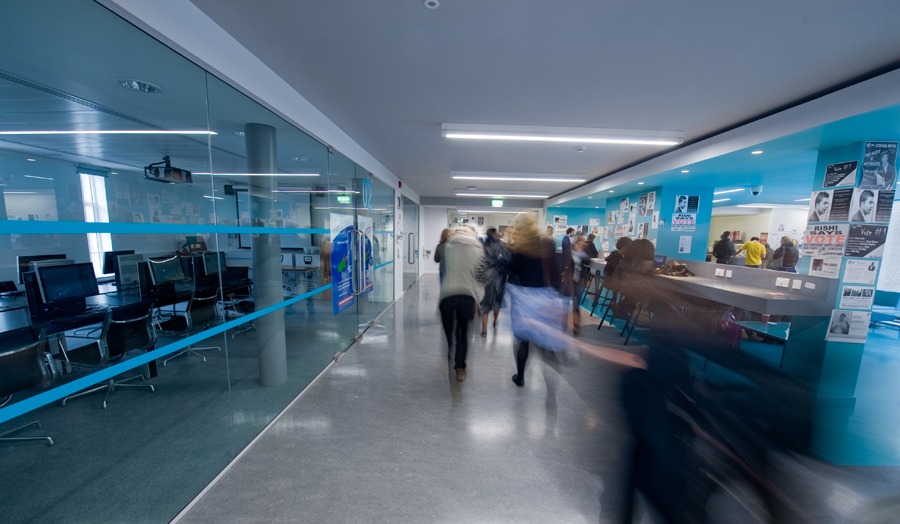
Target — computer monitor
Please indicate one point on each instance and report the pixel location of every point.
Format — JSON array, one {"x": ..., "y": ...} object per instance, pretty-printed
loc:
[
  {"x": 127, "y": 271},
  {"x": 66, "y": 283},
  {"x": 214, "y": 263},
  {"x": 166, "y": 269},
  {"x": 109, "y": 260},
  {"x": 23, "y": 261},
  {"x": 659, "y": 261}
]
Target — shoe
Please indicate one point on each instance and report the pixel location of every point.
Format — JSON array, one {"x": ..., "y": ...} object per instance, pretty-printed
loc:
[
  {"x": 460, "y": 374},
  {"x": 484, "y": 333},
  {"x": 516, "y": 381}
]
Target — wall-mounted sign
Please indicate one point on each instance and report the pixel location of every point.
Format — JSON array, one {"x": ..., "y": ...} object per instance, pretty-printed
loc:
[
  {"x": 343, "y": 199},
  {"x": 496, "y": 203}
]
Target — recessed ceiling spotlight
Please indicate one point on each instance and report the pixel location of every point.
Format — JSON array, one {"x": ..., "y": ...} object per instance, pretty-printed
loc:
[
  {"x": 640, "y": 183},
  {"x": 685, "y": 171},
  {"x": 590, "y": 198},
  {"x": 471, "y": 188},
  {"x": 758, "y": 152},
  {"x": 237, "y": 133},
  {"x": 31, "y": 160},
  {"x": 113, "y": 172},
  {"x": 610, "y": 190},
  {"x": 432, "y": 4},
  {"x": 137, "y": 85},
  {"x": 579, "y": 149},
  {"x": 295, "y": 158},
  {"x": 596, "y": 207}
]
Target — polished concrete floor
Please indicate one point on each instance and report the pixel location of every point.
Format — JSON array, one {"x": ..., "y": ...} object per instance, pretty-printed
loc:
[{"x": 388, "y": 435}]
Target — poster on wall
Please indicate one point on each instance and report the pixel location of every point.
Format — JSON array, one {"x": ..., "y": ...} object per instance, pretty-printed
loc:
[
  {"x": 630, "y": 231},
  {"x": 819, "y": 206},
  {"x": 857, "y": 297},
  {"x": 366, "y": 224},
  {"x": 735, "y": 236},
  {"x": 633, "y": 209},
  {"x": 879, "y": 166},
  {"x": 560, "y": 220},
  {"x": 865, "y": 241},
  {"x": 620, "y": 232},
  {"x": 841, "y": 200},
  {"x": 763, "y": 238},
  {"x": 610, "y": 231},
  {"x": 642, "y": 230},
  {"x": 594, "y": 222},
  {"x": 341, "y": 262},
  {"x": 687, "y": 204},
  {"x": 169, "y": 196},
  {"x": 871, "y": 206},
  {"x": 841, "y": 174},
  {"x": 560, "y": 230},
  {"x": 642, "y": 205},
  {"x": 655, "y": 220},
  {"x": 136, "y": 196},
  {"x": 122, "y": 193},
  {"x": 597, "y": 231},
  {"x": 828, "y": 267},
  {"x": 684, "y": 222},
  {"x": 825, "y": 240},
  {"x": 684, "y": 244},
  {"x": 611, "y": 217},
  {"x": 623, "y": 205},
  {"x": 848, "y": 326},
  {"x": 621, "y": 218},
  {"x": 155, "y": 214},
  {"x": 861, "y": 271},
  {"x": 604, "y": 245}
]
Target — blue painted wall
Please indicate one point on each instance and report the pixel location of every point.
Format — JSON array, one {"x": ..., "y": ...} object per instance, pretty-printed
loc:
[{"x": 667, "y": 240}]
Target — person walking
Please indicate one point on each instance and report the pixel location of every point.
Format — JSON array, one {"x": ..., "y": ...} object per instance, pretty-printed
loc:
[
  {"x": 580, "y": 259},
  {"x": 755, "y": 252},
  {"x": 789, "y": 255},
  {"x": 461, "y": 290},
  {"x": 723, "y": 249},
  {"x": 439, "y": 251},
  {"x": 496, "y": 257}
]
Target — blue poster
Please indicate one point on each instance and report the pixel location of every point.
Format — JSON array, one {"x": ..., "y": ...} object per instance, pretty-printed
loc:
[
  {"x": 368, "y": 267},
  {"x": 341, "y": 262}
]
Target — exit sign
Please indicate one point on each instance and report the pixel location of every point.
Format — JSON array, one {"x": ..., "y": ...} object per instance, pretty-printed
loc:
[
  {"x": 343, "y": 199},
  {"x": 496, "y": 203}
]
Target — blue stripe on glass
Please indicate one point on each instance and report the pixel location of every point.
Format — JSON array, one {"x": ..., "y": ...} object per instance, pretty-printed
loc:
[
  {"x": 64, "y": 390},
  {"x": 382, "y": 265},
  {"x": 29, "y": 227}
]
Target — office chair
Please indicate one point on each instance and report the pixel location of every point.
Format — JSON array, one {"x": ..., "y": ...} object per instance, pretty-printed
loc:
[
  {"x": 239, "y": 302},
  {"x": 202, "y": 311},
  {"x": 24, "y": 363},
  {"x": 126, "y": 328}
]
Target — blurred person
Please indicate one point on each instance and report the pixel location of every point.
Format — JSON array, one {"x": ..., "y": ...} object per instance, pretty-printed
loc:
[
  {"x": 788, "y": 254},
  {"x": 496, "y": 257},
  {"x": 461, "y": 290},
  {"x": 590, "y": 248},
  {"x": 632, "y": 275},
  {"x": 567, "y": 244},
  {"x": 439, "y": 251},
  {"x": 580, "y": 259},
  {"x": 767, "y": 256},
  {"x": 613, "y": 259},
  {"x": 724, "y": 249},
  {"x": 756, "y": 252},
  {"x": 549, "y": 232}
]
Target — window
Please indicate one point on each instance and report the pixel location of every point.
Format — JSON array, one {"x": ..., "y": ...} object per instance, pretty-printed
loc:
[{"x": 93, "y": 192}]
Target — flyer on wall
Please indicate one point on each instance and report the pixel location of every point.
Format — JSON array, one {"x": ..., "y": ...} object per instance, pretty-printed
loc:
[
  {"x": 610, "y": 231},
  {"x": 644, "y": 207},
  {"x": 841, "y": 200},
  {"x": 611, "y": 217},
  {"x": 623, "y": 205},
  {"x": 633, "y": 209},
  {"x": 642, "y": 230},
  {"x": 820, "y": 206},
  {"x": 828, "y": 267},
  {"x": 684, "y": 222},
  {"x": 871, "y": 206},
  {"x": 655, "y": 220},
  {"x": 630, "y": 230},
  {"x": 560, "y": 220},
  {"x": 825, "y": 240},
  {"x": 865, "y": 241},
  {"x": 857, "y": 297},
  {"x": 341, "y": 262},
  {"x": 860, "y": 271},
  {"x": 594, "y": 221},
  {"x": 684, "y": 244},
  {"x": 848, "y": 326},
  {"x": 841, "y": 174},
  {"x": 687, "y": 204},
  {"x": 604, "y": 245},
  {"x": 620, "y": 232},
  {"x": 879, "y": 166},
  {"x": 621, "y": 218}
]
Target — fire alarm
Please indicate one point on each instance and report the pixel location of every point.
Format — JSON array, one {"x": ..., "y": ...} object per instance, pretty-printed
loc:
[{"x": 399, "y": 183}]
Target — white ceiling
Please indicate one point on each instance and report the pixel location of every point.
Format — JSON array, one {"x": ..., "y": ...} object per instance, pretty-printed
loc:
[{"x": 390, "y": 72}]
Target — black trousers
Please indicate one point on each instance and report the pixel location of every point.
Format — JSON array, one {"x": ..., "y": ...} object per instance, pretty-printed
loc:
[{"x": 456, "y": 312}]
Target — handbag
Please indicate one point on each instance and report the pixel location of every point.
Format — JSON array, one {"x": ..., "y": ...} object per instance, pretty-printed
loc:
[{"x": 538, "y": 315}]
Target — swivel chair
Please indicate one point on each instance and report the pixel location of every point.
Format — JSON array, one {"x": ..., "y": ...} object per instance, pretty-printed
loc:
[
  {"x": 24, "y": 363},
  {"x": 201, "y": 312},
  {"x": 126, "y": 328}
]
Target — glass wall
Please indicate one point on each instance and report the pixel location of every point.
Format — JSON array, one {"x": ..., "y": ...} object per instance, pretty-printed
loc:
[
  {"x": 410, "y": 243},
  {"x": 161, "y": 230}
]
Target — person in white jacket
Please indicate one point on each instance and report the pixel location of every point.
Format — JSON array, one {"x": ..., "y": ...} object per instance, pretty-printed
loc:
[{"x": 465, "y": 275}]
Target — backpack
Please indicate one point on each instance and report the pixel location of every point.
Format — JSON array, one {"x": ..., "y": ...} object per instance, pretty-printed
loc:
[{"x": 719, "y": 249}]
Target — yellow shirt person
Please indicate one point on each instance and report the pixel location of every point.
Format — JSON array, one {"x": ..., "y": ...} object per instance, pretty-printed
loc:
[{"x": 755, "y": 252}]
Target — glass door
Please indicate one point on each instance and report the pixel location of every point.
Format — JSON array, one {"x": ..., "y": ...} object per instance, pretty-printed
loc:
[
  {"x": 410, "y": 242},
  {"x": 375, "y": 241}
]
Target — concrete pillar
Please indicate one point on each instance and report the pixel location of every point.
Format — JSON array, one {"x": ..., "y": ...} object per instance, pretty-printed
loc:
[{"x": 266, "y": 254}]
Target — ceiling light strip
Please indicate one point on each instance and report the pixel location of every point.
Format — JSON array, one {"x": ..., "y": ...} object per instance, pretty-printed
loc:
[
  {"x": 572, "y": 139},
  {"x": 494, "y": 195},
  {"x": 519, "y": 179},
  {"x": 727, "y": 191},
  {"x": 107, "y": 132}
]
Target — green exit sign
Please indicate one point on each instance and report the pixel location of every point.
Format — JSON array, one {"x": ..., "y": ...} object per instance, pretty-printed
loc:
[
  {"x": 343, "y": 199},
  {"x": 496, "y": 203}
]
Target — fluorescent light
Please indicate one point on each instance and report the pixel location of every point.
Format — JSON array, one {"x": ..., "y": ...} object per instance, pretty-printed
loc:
[
  {"x": 258, "y": 174},
  {"x": 756, "y": 152},
  {"x": 489, "y": 211},
  {"x": 312, "y": 191},
  {"x": 727, "y": 191},
  {"x": 18, "y": 192},
  {"x": 130, "y": 132},
  {"x": 583, "y": 135},
  {"x": 502, "y": 196},
  {"x": 721, "y": 200},
  {"x": 357, "y": 208},
  {"x": 802, "y": 200},
  {"x": 772, "y": 206},
  {"x": 213, "y": 197},
  {"x": 39, "y": 177},
  {"x": 517, "y": 177}
]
